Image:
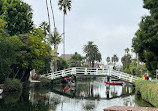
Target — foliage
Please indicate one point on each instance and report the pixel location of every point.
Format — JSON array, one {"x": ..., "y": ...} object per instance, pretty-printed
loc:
[
  {"x": 55, "y": 38},
  {"x": 92, "y": 53},
  {"x": 35, "y": 53},
  {"x": 64, "y": 5},
  {"x": 127, "y": 70},
  {"x": 3, "y": 31},
  {"x": 18, "y": 16},
  {"x": 9, "y": 52},
  {"x": 45, "y": 27},
  {"x": 12, "y": 85},
  {"x": 115, "y": 59},
  {"x": 126, "y": 60},
  {"x": 148, "y": 91},
  {"x": 75, "y": 61},
  {"x": 140, "y": 71},
  {"x": 62, "y": 64},
  {"x": 146, "y": 38},
  {"x": 126, "y": 50}
]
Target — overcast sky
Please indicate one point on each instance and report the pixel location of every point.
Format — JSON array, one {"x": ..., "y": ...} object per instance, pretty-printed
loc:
[{"x": 110, "y": 24}]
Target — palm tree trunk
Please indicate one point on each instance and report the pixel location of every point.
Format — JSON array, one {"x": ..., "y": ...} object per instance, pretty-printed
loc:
[
  {"x": 48, "y": 19},
  {"x": 52, "y": 13},
  {"x": 64, "y": 36}
]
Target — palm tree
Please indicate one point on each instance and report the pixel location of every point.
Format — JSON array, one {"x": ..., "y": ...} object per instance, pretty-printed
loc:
[
  {"x": 64, "y": 5},
  {"x": 45, "y": 27},
  {"x": 55, "y": 39},
  {"x": 48, "y": 17},
  {"x": 52, "y": 13},
  {"x": 115, "y": 59},
  {"x": 108, "y": 59},
  {"x": 92, "y": 53},
  {"x": 126, "y": 50}
]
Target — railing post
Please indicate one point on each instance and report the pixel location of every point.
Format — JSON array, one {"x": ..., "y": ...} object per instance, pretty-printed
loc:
[
  {"x": 73, "y": 71},
  {"x": 85, "y": 71},
  {"x": 131, "y": 79},
  {"x": 96, "y": 71},
  {"x": 52, "y": 76},
  {"x": 63, "y": 73},
  {"x": 103, "y": 71}
]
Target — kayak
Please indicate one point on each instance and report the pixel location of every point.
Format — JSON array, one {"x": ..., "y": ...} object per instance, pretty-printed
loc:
[{"x": 115, "y": 83}]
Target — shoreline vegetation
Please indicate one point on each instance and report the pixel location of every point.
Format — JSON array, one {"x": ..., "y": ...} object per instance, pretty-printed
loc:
[{"x": 148, "y": 91}]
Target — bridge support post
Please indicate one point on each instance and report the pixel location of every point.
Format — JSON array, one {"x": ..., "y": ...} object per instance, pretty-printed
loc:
[{"x": 108, "y": 79}]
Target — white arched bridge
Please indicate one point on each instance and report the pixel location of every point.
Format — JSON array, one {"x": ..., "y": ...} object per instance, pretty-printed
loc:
[{"x": 82, "y": 71}]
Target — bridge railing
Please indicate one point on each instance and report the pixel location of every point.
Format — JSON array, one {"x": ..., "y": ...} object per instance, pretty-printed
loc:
[
  {"x": 90, "y": 71},
  {"x": 125, "y": 76}
]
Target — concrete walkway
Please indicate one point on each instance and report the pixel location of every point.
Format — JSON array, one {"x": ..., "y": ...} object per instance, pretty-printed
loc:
[{"x": 129, "y": 108}]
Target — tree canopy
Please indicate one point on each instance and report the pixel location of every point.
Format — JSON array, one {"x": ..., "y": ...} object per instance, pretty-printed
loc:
[
  {"x": 145, "y": 42},
  {"x": 92, "y": 53},
  {"x": 18, "y": 16}
]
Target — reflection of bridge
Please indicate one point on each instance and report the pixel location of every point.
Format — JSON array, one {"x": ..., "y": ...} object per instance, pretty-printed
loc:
[
  {"x": 73, "y": 95},
  {"x": 81, "y": 71}
]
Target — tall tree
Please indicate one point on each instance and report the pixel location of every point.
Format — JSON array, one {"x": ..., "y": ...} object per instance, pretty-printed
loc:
[
  {"x": 45, "y": 27},
  {"x": 115, "y": 59},
  {"x": 145, "y": 42},
  {"x": 126, "y": 60},
  {"x": 126, "y": 50},
  {"x": 18, "y": 16},
  {"x": 92, "y": 53},
  {"x": 64, "y": 5},
  {"x": 52, "y": 13},
  {"x": 48, "y": 19}
]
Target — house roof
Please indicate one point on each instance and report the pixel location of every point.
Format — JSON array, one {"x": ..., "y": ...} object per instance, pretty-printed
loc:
[{"x": 67, "y": 56}]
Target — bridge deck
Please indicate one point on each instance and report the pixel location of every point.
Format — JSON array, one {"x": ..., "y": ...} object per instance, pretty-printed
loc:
[{"x": 81, "y": 71}]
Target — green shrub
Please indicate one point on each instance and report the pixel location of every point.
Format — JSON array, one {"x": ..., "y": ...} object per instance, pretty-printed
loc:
[
  {"x": 148, "y": 91},
  {"x": 12, "y": 85}
]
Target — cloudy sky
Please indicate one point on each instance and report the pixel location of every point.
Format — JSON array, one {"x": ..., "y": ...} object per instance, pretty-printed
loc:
[{"x": 110, "y": 24}]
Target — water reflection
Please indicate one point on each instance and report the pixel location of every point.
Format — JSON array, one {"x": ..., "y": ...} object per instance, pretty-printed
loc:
[{"x": 80, "y": 96}]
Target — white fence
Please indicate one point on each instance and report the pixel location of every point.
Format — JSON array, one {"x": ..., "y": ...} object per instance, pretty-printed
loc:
[{"x": 90, "y": 71}]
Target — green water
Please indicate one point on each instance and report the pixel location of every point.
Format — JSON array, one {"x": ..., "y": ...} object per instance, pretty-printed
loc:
[{"x": 82, "y": 96}]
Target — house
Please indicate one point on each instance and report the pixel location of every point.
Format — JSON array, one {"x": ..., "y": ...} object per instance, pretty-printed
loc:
[{"x": 67, "y": 56}]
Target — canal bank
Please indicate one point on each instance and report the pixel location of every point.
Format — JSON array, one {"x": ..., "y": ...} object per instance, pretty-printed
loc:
[{"x": 148, "y": 91}]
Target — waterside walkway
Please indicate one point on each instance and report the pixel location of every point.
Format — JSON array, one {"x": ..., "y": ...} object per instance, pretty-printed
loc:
[{"x": 129, "y": 108}]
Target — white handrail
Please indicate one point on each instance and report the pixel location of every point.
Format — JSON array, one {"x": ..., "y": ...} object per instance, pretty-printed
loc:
[{"x": 90, "y": 71}]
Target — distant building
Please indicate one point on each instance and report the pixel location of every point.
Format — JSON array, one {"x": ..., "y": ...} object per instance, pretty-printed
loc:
[{"x": 67, "y": 56}]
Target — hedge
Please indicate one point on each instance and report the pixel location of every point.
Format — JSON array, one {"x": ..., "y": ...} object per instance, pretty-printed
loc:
[{"x": 148, "y": 91}]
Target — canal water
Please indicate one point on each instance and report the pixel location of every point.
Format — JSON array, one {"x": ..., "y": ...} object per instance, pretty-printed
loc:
[{"x": 84, "y": 95}]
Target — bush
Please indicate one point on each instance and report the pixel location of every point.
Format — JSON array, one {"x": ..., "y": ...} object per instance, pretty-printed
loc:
[
  {"x": 148, "y": 91},
  {"x": 12, "y": 85}
]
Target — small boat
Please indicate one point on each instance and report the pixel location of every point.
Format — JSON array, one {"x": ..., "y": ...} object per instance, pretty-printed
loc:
[
  {"x": 1, "y": 90},
  {"x": 115, "y": 83}
]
